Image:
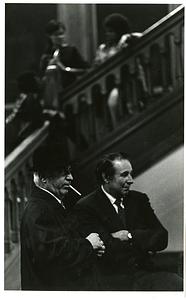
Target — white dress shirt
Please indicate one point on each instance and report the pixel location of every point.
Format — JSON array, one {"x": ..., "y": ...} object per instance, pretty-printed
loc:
[{"x": 112, "y": 199}]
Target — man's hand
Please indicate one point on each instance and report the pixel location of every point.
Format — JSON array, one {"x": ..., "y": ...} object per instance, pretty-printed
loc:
[
  {"x": 97, "y": 243},
  {"x": 122, "y": 235}
]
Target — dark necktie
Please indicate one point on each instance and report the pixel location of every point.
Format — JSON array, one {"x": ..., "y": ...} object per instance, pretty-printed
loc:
[{"x": 121, "y": 212}]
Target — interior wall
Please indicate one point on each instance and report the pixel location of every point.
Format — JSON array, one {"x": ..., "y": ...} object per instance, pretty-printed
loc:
[
  {"x": 164, "y": 185},
  {"x": 140, "y": 16},
  {"x": 87, "y": 19},
  {"x": 25, "y": 23},
  {"x": 81, "y": 26},
  {"x": 25, "y": 40}
]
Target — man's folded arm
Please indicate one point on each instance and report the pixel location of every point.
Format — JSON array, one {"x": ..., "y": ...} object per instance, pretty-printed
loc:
[
  {"x": 48, "y": 242},
  {"x": 89, "y": 223},
  {"x": 153, "y": 237}
]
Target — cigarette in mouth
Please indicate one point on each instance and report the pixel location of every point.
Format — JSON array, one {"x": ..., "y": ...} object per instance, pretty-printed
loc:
[{"x": 75, "y": 190}]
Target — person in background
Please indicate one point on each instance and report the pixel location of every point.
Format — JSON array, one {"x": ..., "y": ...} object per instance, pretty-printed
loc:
[
  {"x": 27, "y": 114},
  {"x": 30, "y": 113},
  {"x": 129, "y": 229},
  {"x": 118, "y": 36},
  {"x": 54, "y": 256},
  {"x": 60, "y": 65}
]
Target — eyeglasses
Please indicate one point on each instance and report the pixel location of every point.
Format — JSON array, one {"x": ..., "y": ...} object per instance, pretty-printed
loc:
[{"x": 67, "y": 171}]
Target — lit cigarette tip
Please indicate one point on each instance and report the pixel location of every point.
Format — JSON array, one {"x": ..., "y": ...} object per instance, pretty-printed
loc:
[{"x": 75, "y": 190}]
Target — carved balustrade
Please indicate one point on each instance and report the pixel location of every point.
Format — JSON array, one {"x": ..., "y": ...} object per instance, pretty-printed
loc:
[
  {"x": 142, "y": 73},
  {"x": 18, "y": 165}
]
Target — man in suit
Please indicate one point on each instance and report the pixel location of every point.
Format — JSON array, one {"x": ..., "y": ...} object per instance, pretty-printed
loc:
[
  {"x": 54, "y": 256},
  {"x": 129, "y": 228}
]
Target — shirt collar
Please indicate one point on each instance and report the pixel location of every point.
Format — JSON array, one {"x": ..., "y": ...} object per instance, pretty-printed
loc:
[
  {"x": 60, "y": 202},
  {"x": 109, "y": 196},
  {"x": 36, "y": 183}
]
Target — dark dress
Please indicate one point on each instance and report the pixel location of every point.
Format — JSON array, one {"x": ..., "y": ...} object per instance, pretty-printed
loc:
[
  {"x": 56, "y": 81},
  {"x": 70, "y": 57},
  {"x": 53, "y": 255}
]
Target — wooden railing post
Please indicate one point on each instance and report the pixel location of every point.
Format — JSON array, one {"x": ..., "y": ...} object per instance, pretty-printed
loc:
[
  {"x": 146, "y": 57},
  {"x": 14, "y": 210},
  {"x": 21, "y": 194},
  {"x": 163, "y": 57},
  {"x": 97, "y": 111},
  {"x": 104, "y": 117},
  {"x": 7, "y": 225},
  {"x": 176, "y": 55},
  {"x": 149, "y": 74},
  {"x": 134, "y": 99},
  {"x": 83, "y": 137},
  {"x": 17, "y": 184},
  {"x": 178, "y": 40}
]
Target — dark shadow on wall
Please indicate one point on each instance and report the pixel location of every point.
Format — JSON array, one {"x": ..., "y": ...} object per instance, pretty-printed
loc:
[
  {"x": 141, "y": 16},
  {"x": 24, "y": 40}
]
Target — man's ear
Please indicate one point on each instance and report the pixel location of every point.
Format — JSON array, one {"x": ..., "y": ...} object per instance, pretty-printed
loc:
[
  {"x": 105, "y": 178},
  {"x": 44, "y": 180}
]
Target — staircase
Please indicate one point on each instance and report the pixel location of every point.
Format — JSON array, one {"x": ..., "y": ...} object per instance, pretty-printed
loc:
[
  {"x": 159, "y": 52},
  {"x": 146, "y": 137},
  {"x": 138, "y": 132},
  {"x": 146, "y": 134}
]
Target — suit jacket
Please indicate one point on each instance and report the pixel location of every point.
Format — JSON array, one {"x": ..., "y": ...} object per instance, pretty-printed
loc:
[
  {"x": 97, "y": 214},
  {"x": 53, "y": 254}
]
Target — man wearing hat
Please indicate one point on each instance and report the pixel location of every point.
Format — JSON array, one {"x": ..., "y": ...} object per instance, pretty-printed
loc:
[{"x": 53, "y": 254}]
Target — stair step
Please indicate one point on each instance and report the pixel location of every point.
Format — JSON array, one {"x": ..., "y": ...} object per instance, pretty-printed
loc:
[{"x": 12, "y": 277}]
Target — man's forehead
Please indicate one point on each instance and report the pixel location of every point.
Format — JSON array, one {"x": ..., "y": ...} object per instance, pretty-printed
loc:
[
  {"x": 122, "y": 165},
  {"x": 63, "y": 171}
]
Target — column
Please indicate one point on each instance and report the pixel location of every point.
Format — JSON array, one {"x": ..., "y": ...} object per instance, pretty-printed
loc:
[{"x": 81, "y": 25}]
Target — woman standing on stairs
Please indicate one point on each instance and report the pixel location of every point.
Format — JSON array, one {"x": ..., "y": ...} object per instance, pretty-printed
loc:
[
  {"x": 61, "y": 63},
  {"x": 118, "y": 36}
]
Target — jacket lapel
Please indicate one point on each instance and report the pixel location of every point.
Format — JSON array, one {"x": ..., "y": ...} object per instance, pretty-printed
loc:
[
  {"x": 109, "y": 214},
  {"x": 49, "y": 199}
]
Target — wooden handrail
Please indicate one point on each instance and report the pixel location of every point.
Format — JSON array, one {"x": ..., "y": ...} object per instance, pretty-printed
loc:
[
  {"x": 176, "y": 13},
  {"x": 159, "y": 56},
  {"x": 133, "y": 124},
  {"x": 23, "y": 152},
  {"x": 18, "y": 166},
  {"x": 160, "y": 27}
]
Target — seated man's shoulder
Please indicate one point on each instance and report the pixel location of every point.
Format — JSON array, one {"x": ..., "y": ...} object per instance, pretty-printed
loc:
[
  {"x": 137, "y": 194},
  {"x": 88, "y": 199},
  {"x": 34, "y": 211}
]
